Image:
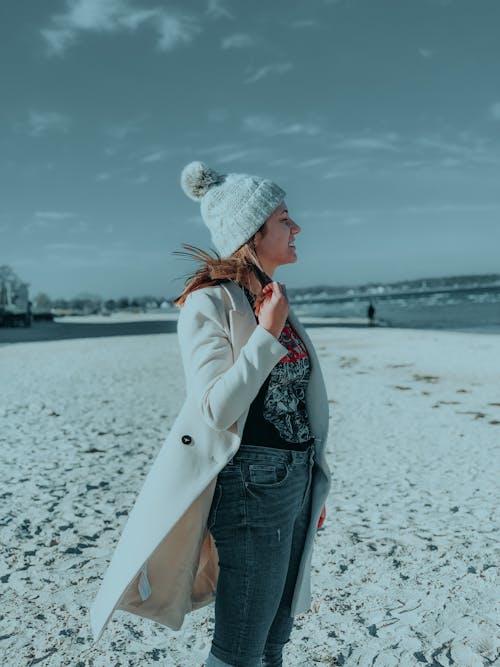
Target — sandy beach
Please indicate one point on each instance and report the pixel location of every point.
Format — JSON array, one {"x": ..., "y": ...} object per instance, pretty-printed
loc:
[{"x": 403, "y": 570}]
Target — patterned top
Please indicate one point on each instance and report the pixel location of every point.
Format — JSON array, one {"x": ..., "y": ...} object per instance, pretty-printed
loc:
[{"x": 278, "y": 415}]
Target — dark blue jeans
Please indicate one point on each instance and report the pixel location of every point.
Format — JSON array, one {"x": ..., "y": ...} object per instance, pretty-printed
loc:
[{"x": 259, "y": 517}]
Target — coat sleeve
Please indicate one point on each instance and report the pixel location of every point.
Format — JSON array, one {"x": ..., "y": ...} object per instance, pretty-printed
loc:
[{"x": 222, "y": 387}]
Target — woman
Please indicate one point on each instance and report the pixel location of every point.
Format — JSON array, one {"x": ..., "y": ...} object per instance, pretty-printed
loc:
[{"x": 242, "y": 477}]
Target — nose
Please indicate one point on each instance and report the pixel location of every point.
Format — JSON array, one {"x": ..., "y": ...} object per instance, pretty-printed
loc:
[{"x": 296, "y": 228}]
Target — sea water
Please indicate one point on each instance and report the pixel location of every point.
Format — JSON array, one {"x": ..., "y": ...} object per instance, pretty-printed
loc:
[{"x": 458, "y": 310}]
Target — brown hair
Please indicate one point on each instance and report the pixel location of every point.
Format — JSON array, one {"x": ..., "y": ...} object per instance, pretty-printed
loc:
[{"x": 240, "y": 266}]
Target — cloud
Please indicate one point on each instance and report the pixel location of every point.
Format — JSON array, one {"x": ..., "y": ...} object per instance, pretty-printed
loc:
[
  {"x": 40, "y": 123},
  {"x": 104, "y": 176},
  {"x": 346, "y": 168},
  {"x": 449, "y": 208},
  {"x": 390, "y": 153},
  {"x": 426, "y": 53},
  {"x": 176, "y": 30},
  {"x": 79, "y": 247},
  {"x": 348, "y": 218},
  {"x": 352, "y": 221},
  {"x": 126, "y": 128},
  {"x": 111, "y": 16},
  {"x": 128, "y": 172},
  {"x": 464, "y": 148},
  {"x": 58, "y": 39},
  {"x": 495, "y": 111},
  {"x": 374, "y": 143},
  {"x": 266, "y": 125},
  {"x": 315, "y": 161},
  {"x": 304, "y": 23},
  {"x": 79, "y": 227},
  {"x": 139, "y": 180},
  {"x": 157, "y": 156},
  {"x": 216, "y": 10},
  {"x": 232, "y": 152},
  {"x": 371, "y": 212},
  {"x": 86, "y": 15},
  {"x": 237, "y": 41},
  {"x": 266, "y": 70},
  {"x": 301, "y": 128},
  {"x": 79, "y": 255},
  {"x": 54, "y": 215},
  {"x": 34, "y": 225},
  {"x": 43, "y": 220},
  {"x": 244, "y": 155},
  {"x": 135, "y": 18}
]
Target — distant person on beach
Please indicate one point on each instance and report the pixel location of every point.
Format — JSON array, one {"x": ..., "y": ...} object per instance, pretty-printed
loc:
[
  {"x": 232, "y": 504},
  {"x": 371, "y": 314}
]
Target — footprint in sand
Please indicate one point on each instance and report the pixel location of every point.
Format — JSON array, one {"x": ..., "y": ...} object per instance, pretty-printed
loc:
[
  {"x": 438, "y": 404},
  {"x": 347, "y": 362},
  {"x": 426, "y": 378},
  {"x": 397, "y": 365},
  {"x": 477, "y": 415}
]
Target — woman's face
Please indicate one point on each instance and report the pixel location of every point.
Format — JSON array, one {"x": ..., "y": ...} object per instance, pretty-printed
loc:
[{"x": 273, "y": 248}]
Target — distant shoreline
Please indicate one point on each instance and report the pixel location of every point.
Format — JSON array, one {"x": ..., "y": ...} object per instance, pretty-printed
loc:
[{"x": 90, "y": 327}]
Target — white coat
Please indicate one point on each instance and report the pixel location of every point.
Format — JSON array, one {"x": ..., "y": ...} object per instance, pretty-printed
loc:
[{"x": 165, "y": 563}]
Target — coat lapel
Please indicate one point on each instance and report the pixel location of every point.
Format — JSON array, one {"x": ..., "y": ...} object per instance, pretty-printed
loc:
[
  {"x": 316, "y": 395},
  {"x": 240, "y": 316}
]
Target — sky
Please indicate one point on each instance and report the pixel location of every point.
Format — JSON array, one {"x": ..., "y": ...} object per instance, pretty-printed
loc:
[{"x": 379, "y": 118}]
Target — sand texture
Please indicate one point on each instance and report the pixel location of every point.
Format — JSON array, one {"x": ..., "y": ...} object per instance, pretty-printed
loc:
[{"x": 403, "y": 571}]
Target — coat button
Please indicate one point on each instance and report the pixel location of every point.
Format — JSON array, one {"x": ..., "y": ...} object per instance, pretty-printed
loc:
[{"x": 186, "y": 439}]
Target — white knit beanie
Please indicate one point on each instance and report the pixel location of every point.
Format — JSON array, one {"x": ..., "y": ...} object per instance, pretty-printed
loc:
[{"x": 233, "y": 206}]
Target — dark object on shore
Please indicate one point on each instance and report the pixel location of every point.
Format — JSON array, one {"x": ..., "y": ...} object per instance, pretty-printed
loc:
[
  {"x": 15, "y": 306},
  {"x": 371, "y": 314},
  {"x": 46, "y": 330},
  {"x": 46, "y": 315}
]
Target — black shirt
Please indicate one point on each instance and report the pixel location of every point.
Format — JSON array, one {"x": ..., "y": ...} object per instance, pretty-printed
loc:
[{"x": 277, "y": 416}]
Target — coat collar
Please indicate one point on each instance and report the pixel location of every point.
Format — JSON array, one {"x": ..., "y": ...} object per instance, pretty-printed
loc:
[
  {"x": 240, "y": 315},
  {"x": 242, "y": 318}
]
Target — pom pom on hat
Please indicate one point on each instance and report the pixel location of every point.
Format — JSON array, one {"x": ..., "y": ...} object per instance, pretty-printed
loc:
[{"x": 197, "y": 178}]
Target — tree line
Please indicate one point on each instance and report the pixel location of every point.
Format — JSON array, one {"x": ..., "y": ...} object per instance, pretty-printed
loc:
[{"x": 91, "y": 304}]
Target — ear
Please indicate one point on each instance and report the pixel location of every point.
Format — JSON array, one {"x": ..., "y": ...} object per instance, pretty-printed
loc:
[{"x": 260, "y": 233}]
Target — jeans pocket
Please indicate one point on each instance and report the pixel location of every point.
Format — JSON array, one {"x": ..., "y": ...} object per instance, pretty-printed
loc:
[
  {"x": 212, "y": 514},
  {"x": 268, "y": 475}
]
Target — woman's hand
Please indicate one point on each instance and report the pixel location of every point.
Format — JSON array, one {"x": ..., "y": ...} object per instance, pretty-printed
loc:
[
  {"x": 322, "y": 517},
  {"x": 271, "y": 307}
]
